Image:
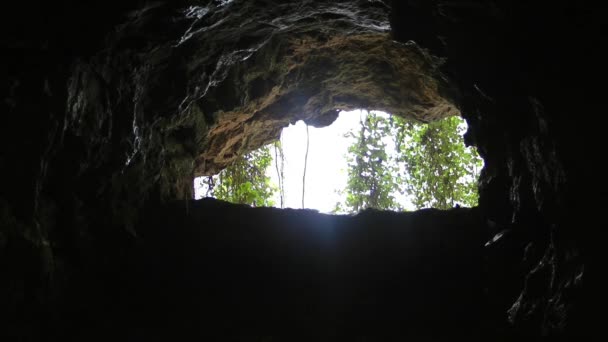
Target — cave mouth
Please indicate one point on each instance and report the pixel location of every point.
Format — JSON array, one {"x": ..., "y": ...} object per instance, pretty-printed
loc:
[{"x": 364, "y": 159}]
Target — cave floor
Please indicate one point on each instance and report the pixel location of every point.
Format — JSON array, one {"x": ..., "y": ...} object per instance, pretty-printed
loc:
[{"x": 210, "y": 269}]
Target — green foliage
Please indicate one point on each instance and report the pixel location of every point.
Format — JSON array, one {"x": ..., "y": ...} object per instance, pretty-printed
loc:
[
  {"x": 370, "y": 182},
  {"x": 438, "y": 170},
  {"x": 430, "y": 166},
  {"x": 245, "y": 181}
]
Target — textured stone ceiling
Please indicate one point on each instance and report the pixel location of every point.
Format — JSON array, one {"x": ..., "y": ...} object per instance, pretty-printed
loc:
[{"x": 220, "y": 80}]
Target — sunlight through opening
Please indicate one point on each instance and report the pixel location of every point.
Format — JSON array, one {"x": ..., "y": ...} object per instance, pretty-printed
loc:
[{"x": 391, "y": 167}]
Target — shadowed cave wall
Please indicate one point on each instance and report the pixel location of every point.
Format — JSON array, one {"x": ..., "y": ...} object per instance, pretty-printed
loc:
[{"x": 110, "y": 111}]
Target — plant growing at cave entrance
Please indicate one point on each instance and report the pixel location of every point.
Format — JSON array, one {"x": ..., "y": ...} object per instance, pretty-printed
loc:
[
  {"x": 371, "y": 183},
  {"x": 245, "y": 181},
  {"x": 438, "y": 170},
  {"x": 430, "y": 165}
]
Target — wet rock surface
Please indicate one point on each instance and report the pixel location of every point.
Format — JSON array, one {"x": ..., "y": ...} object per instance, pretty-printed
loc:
[{"x": 108, "y": 111}]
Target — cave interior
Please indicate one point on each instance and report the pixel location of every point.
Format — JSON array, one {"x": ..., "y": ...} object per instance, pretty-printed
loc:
[{"x": 110, "y": 110}]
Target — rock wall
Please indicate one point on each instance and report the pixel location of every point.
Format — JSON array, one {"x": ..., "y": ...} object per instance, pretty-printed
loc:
[
  {"x": 111, "y": 109},
  {"x": 520, "y": 82}
]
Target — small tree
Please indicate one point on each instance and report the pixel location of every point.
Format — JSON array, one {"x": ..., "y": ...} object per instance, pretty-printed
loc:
[
  {"x": 437, "y": 169},
  {"x": 371, "y": 181}
]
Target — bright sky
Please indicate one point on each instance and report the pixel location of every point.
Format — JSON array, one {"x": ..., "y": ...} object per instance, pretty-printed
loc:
[{"x": 326, "y": 168}]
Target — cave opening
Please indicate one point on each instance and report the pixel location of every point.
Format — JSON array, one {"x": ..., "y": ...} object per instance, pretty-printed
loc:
[
  {"x": 110, "y": 111},
  {"x": 363, "y": 159}
]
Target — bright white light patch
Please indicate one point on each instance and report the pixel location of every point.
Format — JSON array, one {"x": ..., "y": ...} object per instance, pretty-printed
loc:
[{"x": 326, "y": 169}]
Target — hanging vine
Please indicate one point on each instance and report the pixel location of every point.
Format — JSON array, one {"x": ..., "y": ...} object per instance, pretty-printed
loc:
[
  {"x": 305, "y": 164},
  {"x": 279, "y": 162}
]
